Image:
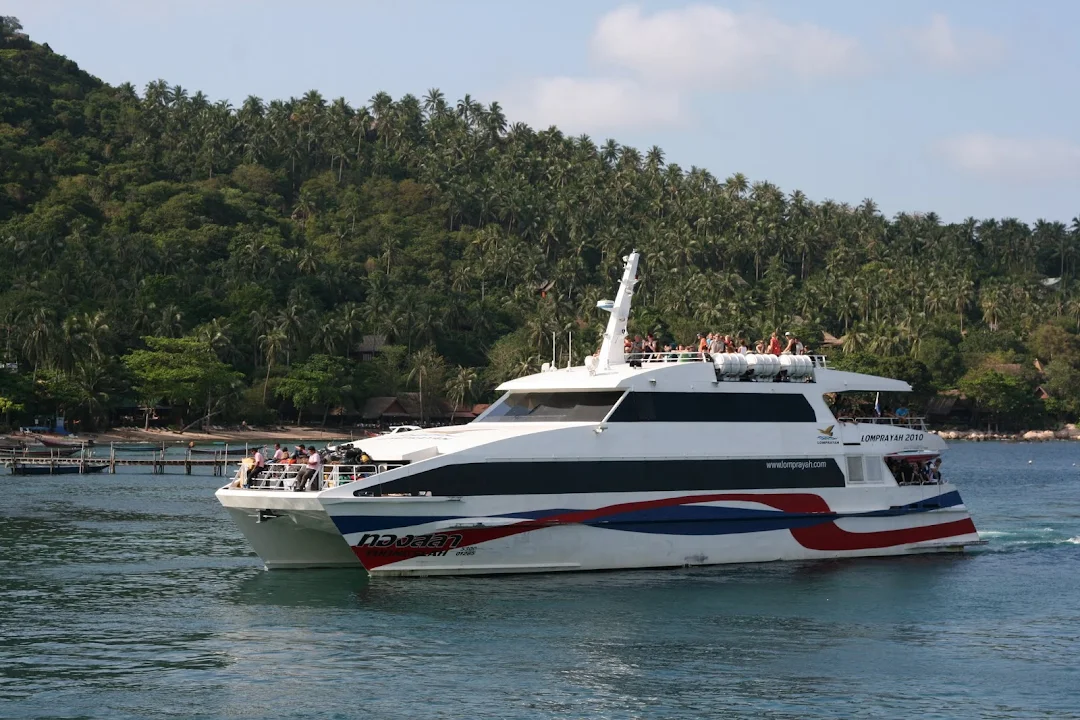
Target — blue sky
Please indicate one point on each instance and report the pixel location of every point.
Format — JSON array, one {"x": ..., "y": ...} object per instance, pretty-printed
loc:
[{"x": 965, "y": 107}]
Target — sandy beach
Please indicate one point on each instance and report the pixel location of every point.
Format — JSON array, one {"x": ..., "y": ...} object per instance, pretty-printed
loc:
[{"x": 238, "y": 436}]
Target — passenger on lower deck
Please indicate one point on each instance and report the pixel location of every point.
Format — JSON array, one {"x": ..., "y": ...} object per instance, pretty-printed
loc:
[
  {"x": 247, "y": 472},
  {"x": 260, "y": 462},
  {"x": 307, "y": 478},
  {"x": 913, "y": 472}
]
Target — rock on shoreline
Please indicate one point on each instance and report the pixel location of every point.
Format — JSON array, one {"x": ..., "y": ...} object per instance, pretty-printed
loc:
[{"x": 1069, "y": 432}]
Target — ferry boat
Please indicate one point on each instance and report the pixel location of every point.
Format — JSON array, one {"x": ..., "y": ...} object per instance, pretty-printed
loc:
[{"x": 647, "y": 461}]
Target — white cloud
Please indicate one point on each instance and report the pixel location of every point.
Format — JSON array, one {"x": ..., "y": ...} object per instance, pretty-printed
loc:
[
  {"x": 589, "y": 104},
  {"x": 1027, "y": 160},
  {"x": 704, "y": 46},
  {"x": 942, "y": 46},
  {"x": 660, "y": 59}
]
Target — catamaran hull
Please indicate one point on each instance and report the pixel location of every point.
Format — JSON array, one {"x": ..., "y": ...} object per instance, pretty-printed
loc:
[
  {"x": 468, "y": 536},
  {"x": 288, "y": 530}
]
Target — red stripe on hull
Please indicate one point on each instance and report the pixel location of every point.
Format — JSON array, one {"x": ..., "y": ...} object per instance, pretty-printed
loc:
[{"x": 826, "y": 536}]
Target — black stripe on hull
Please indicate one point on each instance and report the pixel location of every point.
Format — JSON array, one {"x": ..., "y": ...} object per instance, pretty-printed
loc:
[{"x": 603, "y": 476}]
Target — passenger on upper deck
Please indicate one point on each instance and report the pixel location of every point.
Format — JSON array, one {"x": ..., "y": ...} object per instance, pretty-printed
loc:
[
  {"x": 279, "y": 454},
  {"x": 794, "y": 345},
  {"x": 774, "y": 344}
]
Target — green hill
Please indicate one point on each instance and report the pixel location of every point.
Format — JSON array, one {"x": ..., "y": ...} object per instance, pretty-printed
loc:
[{"x": 268, "y": 240}]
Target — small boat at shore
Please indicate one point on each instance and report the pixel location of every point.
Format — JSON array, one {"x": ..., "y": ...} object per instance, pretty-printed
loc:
[
  {"x": 231, "y": 452},
  {"x": 67, "y": 468},
  {"x": 64, "y": 444},
  {"x": 138, "y": 447},
  {"x": 29, "y": 451}
]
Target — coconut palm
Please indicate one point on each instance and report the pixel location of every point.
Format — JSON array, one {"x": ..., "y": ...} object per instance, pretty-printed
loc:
[{"x": 458, "y": 387}]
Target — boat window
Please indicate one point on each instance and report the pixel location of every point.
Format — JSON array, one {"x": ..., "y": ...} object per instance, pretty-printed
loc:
[
  {"x": 713, "y": 407},
  {"x": 855, "y": 469},
  {"x": 552, "y": 407},
  {"x": 617, "y": 476},
  {"x": 873, "y": 469}
]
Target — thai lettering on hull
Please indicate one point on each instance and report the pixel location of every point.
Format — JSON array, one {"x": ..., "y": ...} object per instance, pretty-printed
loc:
[{"x": 388, "y": 544}]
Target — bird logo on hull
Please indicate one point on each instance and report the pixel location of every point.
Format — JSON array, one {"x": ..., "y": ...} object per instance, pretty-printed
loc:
[{"x": 825, "y": 436}]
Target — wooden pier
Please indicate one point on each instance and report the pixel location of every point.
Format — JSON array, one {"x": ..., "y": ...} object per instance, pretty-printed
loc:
[{"x": 87, "y": 463}]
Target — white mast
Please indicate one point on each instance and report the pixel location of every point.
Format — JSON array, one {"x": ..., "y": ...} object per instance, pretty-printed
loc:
[{"x": 611, "y": 351}]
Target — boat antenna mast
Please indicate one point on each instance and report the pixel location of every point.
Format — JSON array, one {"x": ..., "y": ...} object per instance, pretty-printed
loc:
[{"x": 611, "y": 350}]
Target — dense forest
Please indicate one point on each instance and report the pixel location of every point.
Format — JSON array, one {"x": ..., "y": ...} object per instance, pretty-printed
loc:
[{"x": 164, "y": 248}]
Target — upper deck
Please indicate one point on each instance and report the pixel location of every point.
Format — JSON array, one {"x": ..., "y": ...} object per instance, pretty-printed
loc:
[{"x": 701, "y": 372}]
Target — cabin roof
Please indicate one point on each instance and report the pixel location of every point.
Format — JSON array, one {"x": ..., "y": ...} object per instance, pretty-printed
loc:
[{"x": 693, "y": 376}]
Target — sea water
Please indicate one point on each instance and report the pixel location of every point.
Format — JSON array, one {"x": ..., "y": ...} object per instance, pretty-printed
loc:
[{"x": 133, "y": 595}]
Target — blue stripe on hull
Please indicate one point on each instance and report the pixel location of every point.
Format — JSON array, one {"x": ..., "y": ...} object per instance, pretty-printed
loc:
[{"x": 667, "y": 520}]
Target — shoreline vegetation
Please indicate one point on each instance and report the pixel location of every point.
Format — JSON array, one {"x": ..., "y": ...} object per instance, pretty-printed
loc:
[
  {"x": 293, "y": 260},
  {"x": 1069, "y": 432},
  {"x": 238, "y": 436}
]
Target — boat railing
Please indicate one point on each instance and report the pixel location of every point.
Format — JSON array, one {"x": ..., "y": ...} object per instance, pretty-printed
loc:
[
  {"x": 671, "y": 356},
  {"x": 677, "y": 356},
  {"x": 282, "y": 476},
  {"x": 918, "y": 423}
]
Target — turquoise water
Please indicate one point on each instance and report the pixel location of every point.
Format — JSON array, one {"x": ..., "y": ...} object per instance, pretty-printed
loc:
[{"x": 134, "y": 596}]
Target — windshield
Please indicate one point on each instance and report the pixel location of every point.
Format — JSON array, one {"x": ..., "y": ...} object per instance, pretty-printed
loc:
[{"x": 552, "y": 407}]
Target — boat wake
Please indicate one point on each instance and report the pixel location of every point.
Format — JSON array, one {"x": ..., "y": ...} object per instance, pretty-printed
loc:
[{"x": 1025, "y": 539}]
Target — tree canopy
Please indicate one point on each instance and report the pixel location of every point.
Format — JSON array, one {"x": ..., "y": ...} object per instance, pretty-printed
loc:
[
  {"x": 320, "y": 380},
  {"x": 276, "y": 232},
  {"x": 182, "y": 370}
]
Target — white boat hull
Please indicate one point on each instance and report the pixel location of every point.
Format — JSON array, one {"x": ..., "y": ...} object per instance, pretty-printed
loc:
[
  {"x": 522, "y": 534},
  {"x": 287, "y": 530}
]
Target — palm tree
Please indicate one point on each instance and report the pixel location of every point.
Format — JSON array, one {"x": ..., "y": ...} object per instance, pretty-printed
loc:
[
  {"x": 93, "y": 383},
  {"x": 425, "y": 362},
  {"x": 37, "y": 342},
  {"x": 350, "y": 323},
  {"x": 273, "y": 343},
  {"x": 458, "y": 386},
  {"x": 856, "y": 339},
  {"x": 327, "y": 334},
  {"x": 962, "y": 290},
  {"x": 217, "y": 335},
  {"x": 991, "y": 301}
]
